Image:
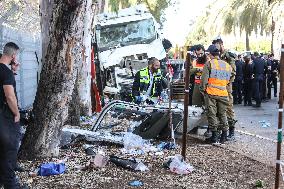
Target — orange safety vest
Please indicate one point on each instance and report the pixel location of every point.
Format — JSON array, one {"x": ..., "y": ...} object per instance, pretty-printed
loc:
[
  {"x": 197, "y": 77},
  {"x": 219, "y": 77}
]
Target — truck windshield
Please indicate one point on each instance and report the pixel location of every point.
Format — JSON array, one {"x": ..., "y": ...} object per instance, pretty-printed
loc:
[{"x": 142, "y": 31}]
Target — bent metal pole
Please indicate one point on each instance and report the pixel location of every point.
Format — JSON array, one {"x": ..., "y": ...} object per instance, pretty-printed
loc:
[
  {"x": 280, "y": 112},
  {"x": 186, "y": 102}
]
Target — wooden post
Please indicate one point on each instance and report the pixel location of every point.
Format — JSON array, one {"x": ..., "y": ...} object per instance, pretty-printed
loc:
[
  {"x": 280, "y": 112},
  {"x": 186, "y": 102}
]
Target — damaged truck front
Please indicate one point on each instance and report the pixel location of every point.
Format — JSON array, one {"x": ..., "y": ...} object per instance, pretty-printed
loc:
[{"x": 125, "y": 40}]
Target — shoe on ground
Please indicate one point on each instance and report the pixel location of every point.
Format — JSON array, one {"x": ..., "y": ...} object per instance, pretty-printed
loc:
[{"x": 256, "y": 105}]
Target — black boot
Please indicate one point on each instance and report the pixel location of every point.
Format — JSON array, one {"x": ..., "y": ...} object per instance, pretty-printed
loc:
[
  {"x": 231, "y": 135},
  {"x": 223, "y": 138},
  {"x": 213, "y": 139}
]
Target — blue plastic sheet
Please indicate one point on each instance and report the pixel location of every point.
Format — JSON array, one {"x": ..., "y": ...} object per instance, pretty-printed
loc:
[{"x": 47, "y": 169}]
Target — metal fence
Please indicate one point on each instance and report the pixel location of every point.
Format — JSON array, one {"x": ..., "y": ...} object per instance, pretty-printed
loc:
[{"x": 27, "y": 78}]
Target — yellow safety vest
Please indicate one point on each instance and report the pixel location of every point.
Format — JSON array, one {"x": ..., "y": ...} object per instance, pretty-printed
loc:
[{"x": 145, "y": 80}]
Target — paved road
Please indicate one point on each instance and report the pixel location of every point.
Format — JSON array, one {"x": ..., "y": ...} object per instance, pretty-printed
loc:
[{"x": 253, "y": 139}]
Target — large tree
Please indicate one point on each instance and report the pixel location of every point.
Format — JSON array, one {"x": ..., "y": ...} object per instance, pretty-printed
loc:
[{"x": 65, "y": 54}]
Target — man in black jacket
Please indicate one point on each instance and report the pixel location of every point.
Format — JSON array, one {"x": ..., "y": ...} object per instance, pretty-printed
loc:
[
  {"x": 237, "y": 84},
  {"x": 273, "y": 70},
  {"x": 258, "y": 76}
]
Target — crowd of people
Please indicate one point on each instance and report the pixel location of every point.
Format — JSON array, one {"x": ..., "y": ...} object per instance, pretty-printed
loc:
[
  {"x": 256, "y": 74},
  {"x": 218, "y": 80}
]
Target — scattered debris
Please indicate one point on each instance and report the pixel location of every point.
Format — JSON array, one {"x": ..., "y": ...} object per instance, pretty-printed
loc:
[
  {"x": 177, "y": 165},
  {"x": 100, "y": 159},
  {"x": 47, "y": 169},
  {"x": 130, "y": 164},
  {"x": 89, "y": 149},
  {"x": 264, "y": 124},
  {"x": 136, "y": 183},
  {"x": 167, "y": 146}
]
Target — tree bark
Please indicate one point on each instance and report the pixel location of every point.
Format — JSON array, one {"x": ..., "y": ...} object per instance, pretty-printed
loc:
[
  {"x": 45, "y": 16},
  {"x": 247, "y": 41},
  {"x": 272, "y": 34},
  {"x": 84, "y": 77},
  {"x": 58, "y": 77}
]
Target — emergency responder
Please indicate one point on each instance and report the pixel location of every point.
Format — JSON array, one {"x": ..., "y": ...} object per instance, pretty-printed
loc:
[
  {"x": 196, "y": 70},
  {"x": 273, "y": 70},
  {"x": 147, "y": 85},
  {"x": 247, "y": 73},
  {"x": 215, "y": 77},
  {"x": 238, "y": 82},
  {"x": 164, "y": 62},
  {"x": 258, "y": 76},
  {"x": 230, "y": 59}
]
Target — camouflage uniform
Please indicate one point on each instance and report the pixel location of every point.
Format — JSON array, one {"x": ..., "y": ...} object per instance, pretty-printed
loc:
[{"x": 230, "y": 110}]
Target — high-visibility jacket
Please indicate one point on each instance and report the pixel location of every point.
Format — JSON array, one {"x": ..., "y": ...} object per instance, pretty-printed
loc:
[
  {"x": 219, "y": 77},
  {"x": 197, "y": 76},
  {"x": 145, "y": 81}
]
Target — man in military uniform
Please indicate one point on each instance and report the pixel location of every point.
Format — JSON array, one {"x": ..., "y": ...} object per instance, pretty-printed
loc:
[
  {"x": 230, "y": 59},
  {"x": 147, "y": 85},
  {"x": 215, "y": 77},
  {"x": 196, "y": 70}
]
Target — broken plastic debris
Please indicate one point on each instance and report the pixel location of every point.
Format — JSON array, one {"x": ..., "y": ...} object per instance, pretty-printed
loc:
[
  {"x": 132, "y": 141},
  {"x": 136, "y": 183},
  {"x": 264, "y": 124},
  {"x": 141, "y": 167},
  {"x": 166, "y": 145},
  {"x": 178, "y": 165},
  {"x": 100, "y": 160}
]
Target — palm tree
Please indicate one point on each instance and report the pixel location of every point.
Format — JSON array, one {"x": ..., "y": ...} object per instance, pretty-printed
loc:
[{"x": 250, "y": 16}]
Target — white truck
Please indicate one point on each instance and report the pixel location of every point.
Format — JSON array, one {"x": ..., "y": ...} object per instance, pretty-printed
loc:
[{"x": 125, "y": 40}]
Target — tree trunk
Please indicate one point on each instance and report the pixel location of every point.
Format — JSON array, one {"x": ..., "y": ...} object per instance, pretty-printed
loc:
[
  {"x": 247, "y": 41},
  {"x": 84, "y": 77},
  {"x": 58, "y": 77},
  {"x": 74, "y": 108},
  {"x": 272, "y": 34},
  {"x": 46, "y": 8}
]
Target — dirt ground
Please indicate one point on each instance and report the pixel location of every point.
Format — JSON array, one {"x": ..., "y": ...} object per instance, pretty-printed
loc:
[{"x": 215, "y": 168}]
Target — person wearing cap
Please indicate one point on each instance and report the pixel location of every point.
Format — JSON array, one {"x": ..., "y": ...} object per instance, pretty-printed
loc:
[
  {"x": 248, "y": 80},
  {"x": 230, "y": 59},
  {"x": 147, "y": 85},
  {"x": 214, "y": 80}
]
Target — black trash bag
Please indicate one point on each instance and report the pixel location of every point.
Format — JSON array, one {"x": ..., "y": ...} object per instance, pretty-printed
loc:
[{"x": 125, "y": 163}]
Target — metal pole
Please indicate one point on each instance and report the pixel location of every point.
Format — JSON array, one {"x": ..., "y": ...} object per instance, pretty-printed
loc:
[
  {"x": 170, "y": 108},
  {"x": 280, "y": 112},
  {"x": 186, "y": 102}
]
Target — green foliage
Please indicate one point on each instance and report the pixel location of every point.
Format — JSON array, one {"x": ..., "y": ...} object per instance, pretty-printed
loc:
[
  {"x": 260, "y": 46},
  {"x": 259, "y": 184}
]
